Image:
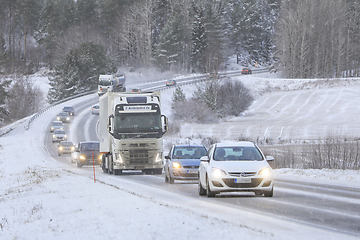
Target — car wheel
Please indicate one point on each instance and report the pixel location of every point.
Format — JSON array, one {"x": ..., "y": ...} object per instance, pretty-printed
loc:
[
  {"x": 269, "y": 193},
  {"x": 59, "y": 154},
  {"x": 209, "y": 193},
  {"x": 171, "y": 180},
  {"x": 78, "y": 165},
  {"x": 166, "y": 179},
  {"x": 202, "y": 191}
]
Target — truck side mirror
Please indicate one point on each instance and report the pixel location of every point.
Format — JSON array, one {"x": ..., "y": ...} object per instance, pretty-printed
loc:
[
  {"x": 109, "y": 122},
  {"x": 164, "y": 121}
]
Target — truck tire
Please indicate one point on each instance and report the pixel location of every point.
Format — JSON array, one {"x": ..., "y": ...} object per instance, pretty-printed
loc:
[
  {"x": 110, "y": 164},
  {"x": 103, "y": 164},
  {"x": 157, "y": 171}
]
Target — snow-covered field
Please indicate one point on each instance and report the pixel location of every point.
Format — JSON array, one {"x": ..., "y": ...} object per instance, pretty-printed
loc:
[{"x": 40, "y": 198}]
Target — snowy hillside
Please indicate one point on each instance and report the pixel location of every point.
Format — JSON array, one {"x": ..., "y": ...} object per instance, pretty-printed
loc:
[{"x": 41, "y": 198}]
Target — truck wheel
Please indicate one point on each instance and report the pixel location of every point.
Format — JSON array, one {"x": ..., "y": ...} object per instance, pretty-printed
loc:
[
  {"x": 110, "y": 164},
  {"x": 117, "y": 171},
  {"x": 103, "y": 164},
  {"x": 157, "y": 171}
]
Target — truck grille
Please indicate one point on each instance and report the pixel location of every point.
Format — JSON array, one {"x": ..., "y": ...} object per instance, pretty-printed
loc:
[{"x": 139, "y": 156}]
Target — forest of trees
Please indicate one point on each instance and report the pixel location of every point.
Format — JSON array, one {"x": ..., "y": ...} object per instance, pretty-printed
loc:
[
  {"x": 310, "y": 38},
  {"x": 303, "y": 39}
]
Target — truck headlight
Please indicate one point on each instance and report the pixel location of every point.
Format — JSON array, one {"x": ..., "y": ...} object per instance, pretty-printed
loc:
[
  {"x": 158, "y": 157},
  {"x": 118, "y": 158},
  {"x": 82, "y": 157}
]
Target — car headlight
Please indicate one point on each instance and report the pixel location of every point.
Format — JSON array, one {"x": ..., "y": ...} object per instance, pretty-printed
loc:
[
  {"x": 100, "y": 157},
  {"x": 265, "y": 172},
  {"x": 67, "y": 118},
  {"x": 54, "y": 136},
  {"x": 218, "y": 172},
  {"x": 58, "y": 118},
  {"x": 176, "y": 165},
  {"x": 60, "y": 148},
  {"x": 82, "y": 157},
  {"x": 72, "y": 148}
]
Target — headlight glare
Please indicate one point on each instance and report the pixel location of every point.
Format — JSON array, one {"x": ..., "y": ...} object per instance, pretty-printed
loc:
[
  {"x": 82, "y": 157},
  {"x": 218, "y": 172},
  {"x": 265, "y": 172},
  {"x": 176, "y": 165}
]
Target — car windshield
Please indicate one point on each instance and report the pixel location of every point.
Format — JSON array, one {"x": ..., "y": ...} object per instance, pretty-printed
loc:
[
  {"x": 66, "y": 144},
  {"x": 67, "y": 109},
  {"x": 96, "y": 106},
  {"x": 237, "y": 154},
  {"x": 189, "y": 152},
  {"x": 90, "y": 146},
  {"x": 63, "y": 114},
  {"x": 57, "y": 124},
  {"x": 59, "y": 132}
]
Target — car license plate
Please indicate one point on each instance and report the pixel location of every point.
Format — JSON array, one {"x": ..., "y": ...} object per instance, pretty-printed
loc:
[
  {"x": 192, "y": 171},
  {"x": 242, "y": 180}
]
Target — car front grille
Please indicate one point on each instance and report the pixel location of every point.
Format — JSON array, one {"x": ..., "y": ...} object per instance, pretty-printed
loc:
[
  {"x": 231, "y": 183},
  {"x": 191, "y": 167},
  {"x": 242, "y": 174},
  {"x": 190, "y": 175}
]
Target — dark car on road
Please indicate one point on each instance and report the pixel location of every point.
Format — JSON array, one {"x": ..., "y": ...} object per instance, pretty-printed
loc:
[
  {"x": 64, "y": 117},
  {"x": 69, "y": 109},
  {"x": 87, "y": 153},
  {"x": 170, "y": 82},
  {"x": 246, "y": 71},
  {"x": 183, "y": 162}
]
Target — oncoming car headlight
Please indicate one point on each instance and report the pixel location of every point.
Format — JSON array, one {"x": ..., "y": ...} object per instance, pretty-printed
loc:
[
  {"x": 265, "y": 172},
  {"x": 60, "y": 148},
  {"x": 100, "y": 157},
  {"x": 218, "y": 172},
  {"x": 176, "y": 165},
  {"x": 82, "y": 157}
]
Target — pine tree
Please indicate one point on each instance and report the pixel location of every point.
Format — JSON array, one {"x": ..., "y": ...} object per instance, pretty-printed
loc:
[
  {"x": 178, "y": 96},
  {"x": 79, "y": 72},
  {"x": 199, "y": 41}
]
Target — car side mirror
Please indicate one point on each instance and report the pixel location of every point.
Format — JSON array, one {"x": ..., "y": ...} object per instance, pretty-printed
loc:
[
  {"x": 167, "y": 157},
  {"x": 204, "y": 159},
  {"x": 269, "y": 158}
]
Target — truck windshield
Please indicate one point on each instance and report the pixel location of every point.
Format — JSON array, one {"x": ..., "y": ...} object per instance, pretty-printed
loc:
[
  {"x": 138, "y": 123},
  {"x": 104, "y": 82}
]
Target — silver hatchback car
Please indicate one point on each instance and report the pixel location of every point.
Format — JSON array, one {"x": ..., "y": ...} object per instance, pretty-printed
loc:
[{"x": 183, "y": 162}]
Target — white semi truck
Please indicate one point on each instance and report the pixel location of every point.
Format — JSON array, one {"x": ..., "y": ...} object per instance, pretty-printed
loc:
[
  {"x": 111, "y": 83},
  {"x": 131, "y": 130}
]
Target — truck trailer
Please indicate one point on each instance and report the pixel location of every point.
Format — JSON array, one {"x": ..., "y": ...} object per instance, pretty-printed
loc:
[{"x": 131, "y": 129}]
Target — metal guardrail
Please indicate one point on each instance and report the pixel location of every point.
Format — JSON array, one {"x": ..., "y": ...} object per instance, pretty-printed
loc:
[
  {"x": 55, "y": 104},
  {"x": 196, "y": 79}
]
